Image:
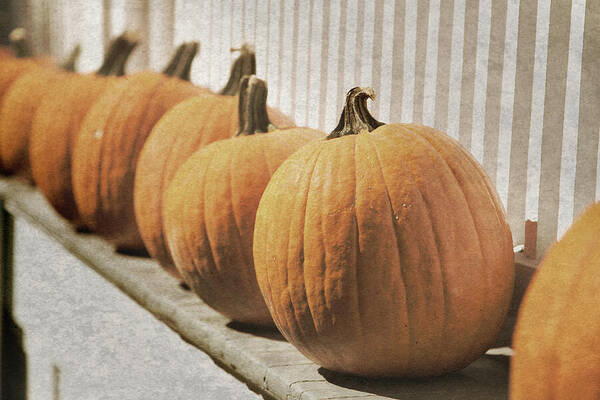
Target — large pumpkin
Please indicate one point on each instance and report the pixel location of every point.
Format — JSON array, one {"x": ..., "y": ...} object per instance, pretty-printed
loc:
[
  {"x": 211, "y": 204},
  {"x": 19, "y": 105},
  {"x": 557, "y": 336},
  {"x": 384, "y": 249},
  {"x": 57, "y": 123},
  {"x": 187, "y": 127},
  {"x": 109, "y": 143}
]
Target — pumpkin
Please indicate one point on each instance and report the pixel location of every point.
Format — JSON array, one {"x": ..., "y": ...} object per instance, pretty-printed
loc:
[
  {"x": 57, "y": 122},
  {"x": 12, "y": 67},
  {"x": 384, "y": 249},
  {"x": 190, "y": 125},
  {"x": 110, "y": 140},
  {"x": 210, "y": 205},
  {"x": 557, "y": 336},
  {"x": 19, "y": 105}
]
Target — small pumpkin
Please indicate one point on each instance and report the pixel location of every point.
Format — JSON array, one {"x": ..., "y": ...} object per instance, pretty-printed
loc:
[
  {"x": 19, "y": 105},
  {"x": 110, "y": 140},
  {"x": 187, "y": 127},
  {"x": 211, "y": 203},
  {"x": 557, "y": 337},
  {"x": 57, "y": 123},
  {"x": 384, "y": 249}
]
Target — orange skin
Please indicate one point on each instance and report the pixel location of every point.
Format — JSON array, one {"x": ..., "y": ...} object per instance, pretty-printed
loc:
[
  {"x": 557, "y": 336},
  {"x": 108, "y": 146},
  {"x": 209, "y": 211},
  {"x": 189, "y": 126},
  {"x": 19, "y": 106},
  {"x": 53, "y": 136},
  {"x": 385, "y": 253}
]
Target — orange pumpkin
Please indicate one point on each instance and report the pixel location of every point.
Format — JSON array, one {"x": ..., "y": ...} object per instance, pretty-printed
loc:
[
  {"x": 557, "y": 336},
  {"x": 384, "y": 249},
  {"x": 211, "y": 203},
  {"x": 187, "y": 127},
  {"x": 19, "y": 105},
  {"x": 57, "y": 123},
  {"x": 12, "y": 67},
  {"x": 109, "y": 143}
]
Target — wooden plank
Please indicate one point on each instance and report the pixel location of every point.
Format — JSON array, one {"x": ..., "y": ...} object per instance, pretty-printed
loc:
[
  {"x": 494, "y": 87},
  {"x": 554, "y": 113},
  {"x": 444, "y": 58},
  {"x": 409, "y": 50},
  {"x": 519, "y": 145},
  {"x": 589, "y": 103}
]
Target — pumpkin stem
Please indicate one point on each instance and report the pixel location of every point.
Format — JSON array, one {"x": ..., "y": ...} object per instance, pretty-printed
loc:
[
  {"x": 181, "y": 62},
  {"x": 117, "y": 54},
  {"x": 69, "y": 63},
  {"x": 19, "y": 44},
  {"x": 355, "y": 115},
  {"x": 245, "y": 64},
  {"x": 252, "y": 106}
]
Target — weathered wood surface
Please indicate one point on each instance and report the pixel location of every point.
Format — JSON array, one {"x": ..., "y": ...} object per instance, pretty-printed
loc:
[{"x": 261, "y": 359}]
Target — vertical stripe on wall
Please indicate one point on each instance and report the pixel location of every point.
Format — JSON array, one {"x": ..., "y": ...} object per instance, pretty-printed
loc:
[
  {"x": 273, "y": 67},
  {"x": 302, "y": 53},
  {"x": 514, "y": 192},
  {"x": 468, "y": 72},
  {"x": 386, "y": 82},
  {"x": 586, "y": 185},
  {"x": 480, "y": 83},
  {"x": 410, "y": 36},
  {"x": 316, "y": 65},
  {"x": 335, "y": 46},
  {"x": 261, "y": 39},
  {"x": 444, "y": 60},
  {"x": 398, "y": 63},
  {"x": 571, "y": 118},
  {"x": 494, "y": 86},
  {"x": 323, "y": 7},
  {"x": 534, "y": 158},
  {"x": 90, "y": 34},
  {"x": 456, "y": 65},
  {"x": 554, "y": 110},
  {"x": 349, "y": 58},
  {"x": 359, "y": 43},
  {"x": 225, "y": 43},
  {"x": 420, "y": 54},
  {"x": 377, "y": 26},
  {"x": 507, "y": 101},
  {"x": 160, "y": 38},
  {"x": 286, "y": 56},
  {"x": 429, "y": 87},
  {"x": 367, "y": 40}
]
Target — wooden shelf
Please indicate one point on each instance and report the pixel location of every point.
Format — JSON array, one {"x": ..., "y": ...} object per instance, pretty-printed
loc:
[{"x": 261, "y": 359}]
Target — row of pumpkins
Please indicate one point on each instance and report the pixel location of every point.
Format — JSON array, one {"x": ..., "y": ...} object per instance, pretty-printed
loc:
[{"x": 377, "y": 250}]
